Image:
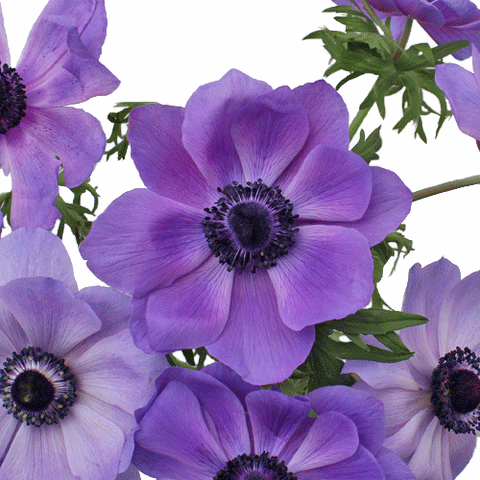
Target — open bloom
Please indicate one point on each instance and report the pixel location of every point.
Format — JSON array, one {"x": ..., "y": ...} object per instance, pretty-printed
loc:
[
  {"x": 210, "y": 424},
  {"x": 70, "y": 377},
  {"x": 59, "y": 66},
  {"x": 256, "y": 224},
  {"x": 432, "y": 401},
  {"x": 444, "y": 20}
]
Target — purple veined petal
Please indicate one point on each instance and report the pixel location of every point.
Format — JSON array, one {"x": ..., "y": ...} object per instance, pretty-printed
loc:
[
  {"x": 463, "y": 93},
  {"x": 360, "y": 466},
  {"x": 327, "y": 274},
  {"x": 274, "y": 418},
  {"x": 397, "y": 26},
  {"x": 138, "y": 325},
  {"x": 4, "y": 50},
  {"x": 61, "y": 321},
  {"x": 131, "y": 473},
  {"x": 458, "y": 318},
  {"x": 46, "y": 446},
  {"x": 476, "y": 65},
  {"x": 389, "y": 205},
  {"x": 255, "y": 340},
  {"x": 393, "y": 467},
  {"x": 93, "y": 444},
  {"x": 268, "y": 133},
  {"x": 155, "y": 136},
  {"x": 175, "y": 426},
  {"x": 460, "y": 451},
  {"x": 8, "y": 428},
  {"x": 80, "y": 77},
  {"x": 35, "y": 252},
  {"x": 227, "y": 420},
  {"x": 386, "y": 6},
  {"x": 209, "y": 114},
  {"x": 145, "y": 241},
  {"x": 332, "y": 438},
  {"x": 446, "y": 34},
  {"x": 46, "y": 46},
  {"x": 331, "y": 185},
  {"x": 12, "y": 336},
  {"x": 192, "y": 311},
  {"x": 364, "y": 410},
  {"x": 420, "y": 10},
  {"x": 426, "y": 291},
  {"x": 458, "y": 13}
]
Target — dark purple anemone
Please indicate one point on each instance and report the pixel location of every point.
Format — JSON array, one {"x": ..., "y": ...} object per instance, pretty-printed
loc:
[
  {"x": 444, "y": 20},
  {"x": 209, "y": 424},
  {"x": 256, "y": 224},
  {"x": 70, "y": 376},
  {"x": 59, "y": 66}
]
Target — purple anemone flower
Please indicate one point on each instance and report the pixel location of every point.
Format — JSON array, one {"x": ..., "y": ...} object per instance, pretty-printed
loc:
[
  {"x": 432, "y": 401},
  {"x": 38, "y": 133},
  {"x": 70, "y": 377},
  {"x": 256, "y": 224},
  {"x": 210, "y": 424},
  {"x": 444, "y": 20}
]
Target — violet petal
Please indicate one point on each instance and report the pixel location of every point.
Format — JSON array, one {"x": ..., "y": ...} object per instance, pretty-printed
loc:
[{"x": 4, "y": 50}]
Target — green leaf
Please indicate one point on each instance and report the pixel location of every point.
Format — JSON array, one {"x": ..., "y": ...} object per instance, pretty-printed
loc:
[
  {"x": 441, "y": 51},
  {"x": 368, "y": 147}
]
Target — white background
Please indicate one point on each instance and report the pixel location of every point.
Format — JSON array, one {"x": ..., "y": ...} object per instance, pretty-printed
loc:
[{"x": 163, "y": 50}]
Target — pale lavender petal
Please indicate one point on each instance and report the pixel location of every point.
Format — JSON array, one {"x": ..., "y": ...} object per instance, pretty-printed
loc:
[
  {"x": 145, "y": 241},
  {"x": 461, "y": 448},
  {"x": 463, "y": 93},
  {"x": 61, "y": 321},
  {"x": 8, "y": 427},
  {"x": 255, "y": 339},
  {"x": 92, "y": 443},
  {"x": 34, "y": 252},
  {"x": 331, "y": 185},
  {"x": 192, "y": 311},
  {"x": 209, "y": 114},
  {"x": 80, "y": 77},
  {"x": 327, "y": 274},
  {"x": 12, "y": 336},
  {"x": 397, "y": 26},
  {"x": 364, "y": 410},
  {"x": 332, "y": 438},
  {"x": 268, "y": 133},
  {"x": 389, "y": 205},
  {"x": 155, "y": 136},
  {"x": 274, "y": 418},
  {"x": 130, "y": 474},
  {"x": 476, "y": 64},
  {"x": 393, "y": 467},
  {"x": 4, "y": 50}
]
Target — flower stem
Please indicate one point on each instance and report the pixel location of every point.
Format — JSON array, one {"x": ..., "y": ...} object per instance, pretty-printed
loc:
[
  {"x": 404, "y": 39},
  {"x": 446, "y": 187},
  {"x": 357, "y": 121}
]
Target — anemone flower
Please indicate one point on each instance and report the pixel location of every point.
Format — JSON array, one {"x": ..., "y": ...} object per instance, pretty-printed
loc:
[
  {"x": 38, "y": 133},
  {"x": 71, "y": 377},
  {"x": 210, "y": 424},
  {"x": 256, "y": 224},
  {"x": 444, "y": 20},
  {"x": 432, "y": 401}
]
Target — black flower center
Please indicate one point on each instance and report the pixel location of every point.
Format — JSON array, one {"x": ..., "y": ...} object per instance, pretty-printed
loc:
[
  {"x": 254, "y": 467},
  {"x": 250, "y": 226},
  {"x": 12, "y": 98},
  {"x": 456, "y": 391},
  {"x": 37, "y": 387}
]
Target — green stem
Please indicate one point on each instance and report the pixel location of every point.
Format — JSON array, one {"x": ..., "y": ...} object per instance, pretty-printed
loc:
[
  {"x": 446, "y": 187},
  {"x": 404, "y": 39},
  {"x": 357, "y": 121}
]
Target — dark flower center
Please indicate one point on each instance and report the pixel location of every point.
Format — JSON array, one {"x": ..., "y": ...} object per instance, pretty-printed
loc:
[
  {"x": 456, "y": 391},
  {"x": 37, "y": 387},
  {"x": 12, "y": 98},
  {"x": 254, "y": 467},
  {"x": 250, "y": 226}
]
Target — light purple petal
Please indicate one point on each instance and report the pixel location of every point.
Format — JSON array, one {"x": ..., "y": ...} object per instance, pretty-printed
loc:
[
  {"x": 175, "y": 426},
  {"x": 332, "y": 438},
  {"x": 4, "y": 50},
  {"x": 389, "y": 205},
  {"x": 255, "y": 339},
  {"x": 61, "y": 321},
  {"x": 364, "y": 410},
  {"x": 12, "y": 336},
  {"x": 155, "y": 136},
  {"x": 209, "y": 114},
  {"x": 80, "y": 77},
  {"x": 94, "y": 444},
  {"x": 393, "y": 467},
  {"x": 274, "y": 418},
  {"x": 461, "y": 448},
  {"x": 130, "y": 474},
  {"x": 192, "y": 311},
  {"x": 476, "y": 64},
  {"x": 34, "y": 252},
  {"x": 327, "y": 274},
  {"x": 268, "y": 133},
  {"x": 331, "y": 185},
  {"x": 144, "y": 241},
  {"x": 8, "y": 427},
  {"x": 463, "y": 93}
]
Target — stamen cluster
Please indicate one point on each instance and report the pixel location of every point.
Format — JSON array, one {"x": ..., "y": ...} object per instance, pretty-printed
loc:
[
  {"x": 12, "y": 98},
  {"x": 250, "y": 226}
]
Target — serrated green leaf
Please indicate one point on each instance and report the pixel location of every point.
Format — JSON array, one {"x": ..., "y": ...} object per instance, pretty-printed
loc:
[{"x": 368, "y": 147}]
